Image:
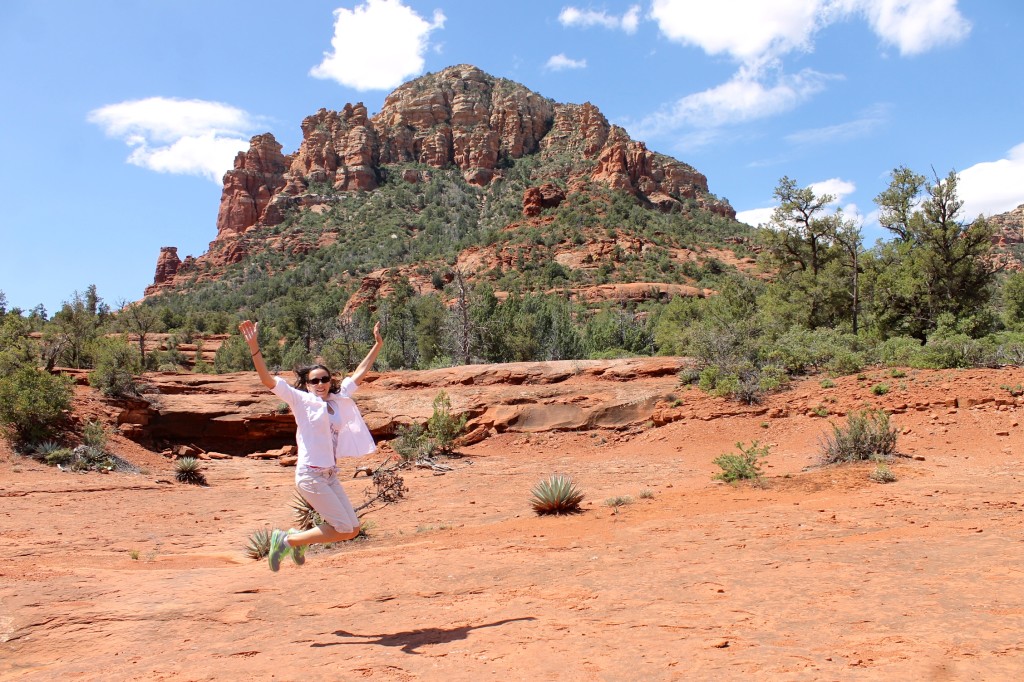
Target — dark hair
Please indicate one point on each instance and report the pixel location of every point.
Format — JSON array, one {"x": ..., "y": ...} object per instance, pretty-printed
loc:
[{"x": 302, "y": 374}]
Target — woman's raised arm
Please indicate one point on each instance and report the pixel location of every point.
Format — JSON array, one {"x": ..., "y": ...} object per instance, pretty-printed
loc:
[
  {"x": 371, "y": 357},
  {"x": 250, "y": 332}
]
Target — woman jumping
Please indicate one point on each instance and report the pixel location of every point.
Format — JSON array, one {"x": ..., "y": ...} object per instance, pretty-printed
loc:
[{"x": 328, "y": 427}]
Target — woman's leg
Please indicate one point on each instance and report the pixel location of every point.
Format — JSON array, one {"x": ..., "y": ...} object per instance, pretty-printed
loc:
[
  {"x": 322, "y": 533},
  {"x": 326, "y": 495}
]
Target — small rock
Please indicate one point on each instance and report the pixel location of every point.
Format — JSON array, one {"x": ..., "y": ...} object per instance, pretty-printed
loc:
[
  {"x": 721, "y": 645},
  {"x": 919, "y": 458}
]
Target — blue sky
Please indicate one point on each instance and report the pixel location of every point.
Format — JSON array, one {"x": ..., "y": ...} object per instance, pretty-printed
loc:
[{"x": 121, "y": 116}]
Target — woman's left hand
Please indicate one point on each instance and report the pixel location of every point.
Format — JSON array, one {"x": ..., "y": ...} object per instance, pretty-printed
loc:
[{"x": 376, "y": 333}]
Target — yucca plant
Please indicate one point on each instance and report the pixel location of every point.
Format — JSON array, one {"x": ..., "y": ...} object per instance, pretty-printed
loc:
[
  {"x": 46, "y": 447},
  {"x": 305, "y": 516},
  {"x": 259, "y": 544},
  {"x": 186, "y": 470},
  {"x": 556, "y": 495},
  {"x": 53, "y": 453}
]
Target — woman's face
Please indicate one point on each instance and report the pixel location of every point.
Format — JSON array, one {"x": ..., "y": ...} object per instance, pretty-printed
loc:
[{"x": 316, "y": 385}]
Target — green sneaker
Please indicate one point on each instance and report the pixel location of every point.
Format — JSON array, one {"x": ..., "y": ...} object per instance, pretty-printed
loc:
[
  {"x": 278, "y": 548},
  {"x": 298, "y": 553}
]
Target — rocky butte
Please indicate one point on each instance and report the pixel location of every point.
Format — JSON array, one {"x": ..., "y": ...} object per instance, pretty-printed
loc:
[{"x": 459, "y": 118}]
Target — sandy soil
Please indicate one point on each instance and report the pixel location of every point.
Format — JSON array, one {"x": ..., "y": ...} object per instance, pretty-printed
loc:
[{"x": 820, "y": 574}]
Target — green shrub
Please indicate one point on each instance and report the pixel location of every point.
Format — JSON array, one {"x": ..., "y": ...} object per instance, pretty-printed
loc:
[
  {"x": 846, "y": 362},
  {"x": 32, "y": 403},
  {"x": 442, "y": 427},
  {"x": 115, "y": 365},
  {"x": 880, "y": 389},
  {"x": 233, "y": 356},
  {"x": 957, "y": 351},
  {"x": 742, "y": 466},
  {"x": 411, "y": 443},
  {"x": 882, "y": 474},
  {"x": 867, "y": 434},
  {"x": 828, "y": 383},
  {"x": 556, "y": 495},
  {"x": 898, "y": 351},
  {"x": 95, "y": 435},
  {"x": 53, "y": 453},
  {"x": 89, "y": 458}
]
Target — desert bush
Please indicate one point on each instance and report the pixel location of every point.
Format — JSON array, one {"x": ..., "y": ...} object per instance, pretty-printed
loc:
[
  {"x": 867, "y": 434},
  {"x": 846, "y": 362},
  {"x": 95, "y": 435},
  {"x": 258, "y": 545},
  {"x": 411, "y": 443},
  {"x": 896, "y": 351},
  {"x": 799, "y": 351},
  {"x": 743, "y": 466},
  {"x": 950, "y": 352},
  {"x": 90, "y": 458},
  {"x": 442, "y": 427},
  {"x": 233, "y": 356},
  {"x": 618, "y": 501},
  {"x": 115, "y": 365},
  {"x": 53, "y": 453},
  {"x": 32, "y": 403},
  {"x": 556, "y": 495},
  {"x": 186, "y": 470},
  {"x": 880, "y": 389},
  {"x": 882, "y": 474}
]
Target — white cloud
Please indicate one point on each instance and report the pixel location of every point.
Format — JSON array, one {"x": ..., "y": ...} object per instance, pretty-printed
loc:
[
  {"x": 560, "y": 62},
  {"x": 358, "y": 32},
  {"x": 741, "y": 99},
  {"x": 748, "y": 31},
  {"x": 755, "y": 216},
  {"x": 838, "y": 188},
  {"x": 628, "y": 22},
  {"x": 757, "y": 35},
  {"x": 993, "y": 187},
  {"x": 190, "y": 137},
  {"x": 914, "y": 26},
  {"x": 755, "y": 32}
]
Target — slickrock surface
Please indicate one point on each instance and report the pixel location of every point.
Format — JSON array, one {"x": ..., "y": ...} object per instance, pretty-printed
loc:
[{"x": 818, "y": 574}]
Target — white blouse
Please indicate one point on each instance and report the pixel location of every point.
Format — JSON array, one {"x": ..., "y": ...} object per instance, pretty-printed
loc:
[{"x": 322, "y": 437}]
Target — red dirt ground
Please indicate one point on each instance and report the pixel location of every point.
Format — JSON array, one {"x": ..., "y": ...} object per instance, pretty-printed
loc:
[{"x": 821, "y": 574}]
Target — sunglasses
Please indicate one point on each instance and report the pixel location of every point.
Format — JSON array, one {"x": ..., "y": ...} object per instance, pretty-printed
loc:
[{"x": 320, "y": 380}]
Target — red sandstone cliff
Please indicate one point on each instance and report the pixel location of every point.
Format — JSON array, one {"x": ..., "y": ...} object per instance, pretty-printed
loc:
[{"x": 458, "y": 118}]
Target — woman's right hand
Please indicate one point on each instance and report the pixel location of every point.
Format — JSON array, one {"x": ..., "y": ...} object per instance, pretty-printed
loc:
[{"x": 250, "y": 332}]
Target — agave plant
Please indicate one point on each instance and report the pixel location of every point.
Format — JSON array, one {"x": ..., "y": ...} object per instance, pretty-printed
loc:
[
  {"x": 305, "y": 516},
  {"x": 46, "y": 447},
  {"x": 259, "y": 544},
  {"x": 186, "y": 470},
  {"x": 556, "y": 495},
  {"x": 53, "y": 453}
]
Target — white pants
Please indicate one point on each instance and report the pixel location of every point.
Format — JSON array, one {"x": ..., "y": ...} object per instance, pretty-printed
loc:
[{"x": 322, "y": 489}]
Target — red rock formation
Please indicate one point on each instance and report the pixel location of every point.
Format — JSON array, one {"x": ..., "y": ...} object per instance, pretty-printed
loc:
[
  {"x": 536, "y": 199},
  {"x": 249, "y": 187},
  {"x": 461, "y": 117},
  {"x": 167, "y": 264},
  {"x": 457, "y": 118}
]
